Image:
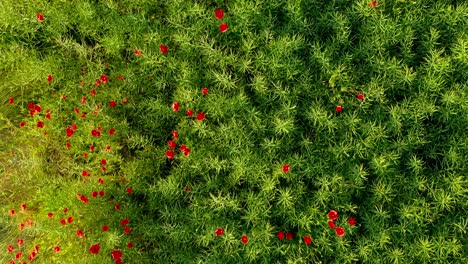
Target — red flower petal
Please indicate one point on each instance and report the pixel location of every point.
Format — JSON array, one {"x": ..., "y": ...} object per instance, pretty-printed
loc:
[
  {"x": 57, "y": 249},
  {"x": 79, "y": 233},
  {"x": 171, "y": 144},
  {"x": 116, "y": 254},
  {"x": 105, "y": 228},
  {"x": 307, "y": 240},
  {"x": 244, "y": 239},
  {"x": 289, "y": 236},
  {"x": 50, "y": 78},
  {"x": 94, "y": 249},
  {"x": 130, "y": 245},
  {"x": 111, "y": 131},
  {"x": 340, "y": 231},
  {"x": 40, "y": 17},
  {"x": 163, "y": 48},
  {"x": 280, "y": 235},
  {"x": 373, "y": 4},
  {"x": 11, "y": 101},
  {"x": 286, "y": 168},
  {"x": 333, "y": 215},
  {"x": 175, "y": 134},
  {"x": 219, "y": 14},
  {"x": 223, "y": 27},
  {"x": 120, "y": 78},
  {"x": 201, "y": 116},
  {"x": 219, "y": 231},
  {"x": 205, "y": 91},
  {"x": 129, "y": 190},
  {"x": 189, "y": 112},
  {"x": 112, "y": 103},
  {"x": 331, "y": 224},
  {"x": 175, "y": 106},
  {"x": 339, "y": 108},
  {"x": 360, "y": 97},
  {"x": 351, "y": 221},
  {"x": 170, "y": 154},
  {"x": 127, "y": 230}
]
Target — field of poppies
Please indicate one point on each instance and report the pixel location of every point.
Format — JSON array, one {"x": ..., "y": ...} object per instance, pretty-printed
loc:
[{"x": 188, "y": 131}]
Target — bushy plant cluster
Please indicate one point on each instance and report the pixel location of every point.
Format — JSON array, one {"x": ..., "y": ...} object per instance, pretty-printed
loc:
[{"x": 286, "y": 131}]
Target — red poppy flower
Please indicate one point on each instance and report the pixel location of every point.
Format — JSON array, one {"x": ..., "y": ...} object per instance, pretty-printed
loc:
[
  {"x": 47, "y": 116},
  {"x": 280, "y": 235},
  {"x": 103, "y": 162},
  {"x": 104, "y": 78},
  {"x": 91, "y": 148},
  {"x": 138, "y": 53},
  {"x": 83, "y": 115},
  {"x": 95, "y": 133},
  {"x": 94, "y": 194},
  {"x": 360, "y": 97},
  {"x": 223, "y": 27},
  {"x": 340, "y": 231},
  {"x": 201, "y": 116},
  {"x": 30, "y": 222},
  {"x": 21, "y": 226},
  {"x": 111, "y": 131},
  {"x": 50, "y": 215},
  {"x": 118, "y": 261},
  {"x": 83, "y": 99},
  {"x": 79, "y": 233},
  {"x": 100, "y": 181},
  {"x": 37, "y": 108},
  {"x": 11, "y": 101},
  {"x": 101, "y": 193},
  {"x": 205, "y": 91},
  {"x": 373, "y": 4},
  {"x": 331, "y": 224},
  {"x": 56, "y": 249},
  {"x": 85, "y": 173},
  {"x": 186, "y": 152},
  {"x": 32, "y": 256},
  {"x": 117, "y": 207},
  {"x": 116, "y": 254},
  {"x": 93, "y": 92},
  {"x": 129, "y": 190},
  {"x": 189, "y": 112},
  {"x": 171, "y": 144},
  {"x": 351, "y": 221},
  {"x": 94, "y": 249},
  {"x": 70, "y": 219},
  {"x": 170, "y": 154},
  {"x": 120, "y": 78},
  {"x": 175, "y": 106},
  {"x": 12, "y": 212},
  {"x": 339, "y": 108},
  {"x": 124, "y": 222},
  {"x": 219, "y": 231},
  {"x": 112, "y": 103},
  {"x": 127, "y": 230},
  {"x": 125, "y": 101},
  {"x": 63, "y": 222},
  {"x": 40, "y": 17},
  {"x": 130, "y": 245},
  {"x": 97, "y": 83},
  {"x": 219, "y": 14},
  {"x": 50, "y": 78},
  {"x": 286, "y": 168},
  {"x": 36, "y": 249},
  {"x": 163, "y": 48},
  {"x": 183, "y": 147},
  {"x": 65, "y": 210},
  {"x": 105, "y": 228},
  {"x": 100, "y": 128},
  {"x": 22, "y": 124},
  {"x": 20, "y": 242},
  {"x": 23, "y": 207},
  {"x": 10, "y": 248},
  {"x": 245, "y": 240},
  {"x": 108, "y": 148},
  {"x": 84, "y": 199},
  {"x": 40, "y": 124},
  {"x": 333, "y": 215},
  {"x": 77, "y": 111},
  {"x": 18, "y": 255},
  {"x": 307, "y": 240},
  {"x": 289, "y": 236},
  {"x": 175, "y": 134}
]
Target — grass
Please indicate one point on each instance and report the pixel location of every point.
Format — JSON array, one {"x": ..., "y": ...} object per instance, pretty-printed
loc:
[{"x": 394, "y": 160}]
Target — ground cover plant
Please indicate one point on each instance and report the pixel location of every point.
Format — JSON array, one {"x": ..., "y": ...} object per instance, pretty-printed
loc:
[{"x": 186, "y": 131}]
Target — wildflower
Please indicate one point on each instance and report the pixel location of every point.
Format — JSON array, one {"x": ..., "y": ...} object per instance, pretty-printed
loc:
[
  {"x": 73, "y": 127},
  {"x": 70, "y": 220},
  {"x": 23, "y": 207},
  {"x": 40, "y": 17},
  {"x": 30, "y": 222},
  {"x": 94, "y": 249},
  {"x": 340, "y": 231},
  {"x": 201, "y": 116},
  {"x": 100, "y": 181},
  {"x": 175, "y": 106},
  {"x": 130, "y": 245},
  {"x": 101, "y": 193},
  {"x": 20, "y": 242},
  {"x": 91, "y": 148},
  {"x": 21, "y": 226},
  {"x": 11, "y": 101},
  {"x": 64, "y": 97},
  {"x": 333, "y": 215},
  {"x": 83, "y": 115},
  {"x": 48, "y": 116},
  {"x": 36, "y": 248},
  {"x": 223, "y": 27},
  {"x": 105, "y": 228},
  {"x": 18, "y": 255},
  {"x": 360, "y": 97},
  {"x": 117, "y": 207},
  {"x": 112, "y": 103},
  {"x": 50, "y": 215},
  {"x": 138, "y": 53},
  {"x": 307, "y": 240},
  {"x": 22, "y": 124},
  {"x": 56, "y": 249},
  {"x": 32, "y": 256},
  {"x": 50, "y": 78},
  {"x": 108, "y": 148},
  {"x": 331, "y": 224},
  {"x": 351, "y": 221},
  {"x": 186, "y": 152},
  {"x": 93, "y": 92},
  {"x": 339, "y": 108},
  {"x": 63, "y": 222},
  {"x": 77, "y": 111},
  {"x": 219, "y": 14},
  {"x": 10, "y": 248},
  {"x": 79, "y": 233},
  {"x": 171, "y": 144},
  {"x": 129, "y": 190},
  {"x": 120, "y": 78},
  {"x": 170, "y": 154},
  {"x": 205, "y": 91},
  {"x": 94, "y": 194},
  {"x": 163, "y": 48},
  {"x": 289, "y": 236},
  {"x": 40, "y": 124},
  {"x": 111, "y": 131},
  {"x": 12, "y": 212},
  {"x": 103, "y": 162},
  {"x": 219, "y": 231},
  {"x": 65, "y": 210},
  {"x": 85, "y": 173},
  {"x": 104, "y": 78},
  {"x": 189, "y": 112},
  {"x": 116, "y": 254},
  {"x": 127, "y": 230},
  {"x": 125, "y": 101},
  {"x": 83, "y": 99},
  {"x": 97, "y": 83},
  {"x": 175, "y": 134},
  {"x": 244, "y": 239},
  {"x": 124, "y": 222},
  {"x": 286, "y": 168},
  {"x": 37, "y": 108},
  {"x": 373, "y": 4},
  {"x": 280, "y": 235}
]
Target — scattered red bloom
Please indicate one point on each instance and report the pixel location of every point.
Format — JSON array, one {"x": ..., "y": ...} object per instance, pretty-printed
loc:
[
  {"x": 105, "y": 228},
  {"x": 63, "y": 222},
  {"x": 205, "y": 91},
  {"x": 10, "y": 248},
  {"x": 120, "y": 78},
  {"x": 56, "y": 249},
  {"x": 95, "y": 133},
  {"x": 22, "y": 124},
  {"x": 175, "y": 106},
  {"x": 48, "y": 116},
  {"x": 129, "y": 190},
  {"x": 307, "y": 240},
  {"x": 50, "y": 215},
  {"x": 21, "y": 226},
  {"x": 339, "y": 108},
  {"x": 37, "y": 108},
  {"x": 189, "y": 113},
  {"x": 85, "y": 173},
  {"x": 244, "y": 239},
  {"x": 125, "y": 101},
  {"x": 83, "y": 99},
  {"x": 333, "y": 215},
  {"x": 280, "y": 235},
  {"x": 36, "y": 248},
  {"x": 77, "y": 111},
  {"x": 23, "y": 207},
  {"x": 40, "y": 17},
  {"x": 94, "y": 194},
  {"x": 117, "y": 207},
  {"x": 373, "y": 4},
  {"x": 201, "y": 116},
  {"x": 100, "y": 181},
  {"x": 100, "y": 128},
  {"x": 223, "y": 27},
  {"x": 93, "y": 92},
  {"x": 331, "y": 224},
  {"x": 340, "y": 231},
  {"x": 70, "y": 219},
  {"x": 175, "y": 134},
  {"x": 11, "y": 101},
  {"x": 65, "y": 210},
  {"x": 183, "y": 147},
  {"x": 171, "y": 144},
  {"x": 127, "y": 230},
  {"x": 101, "y": 193},
  {"x": 32, "y": 255},
  {"x": 30, "y": 222},
  {"x": 138, "y": 53},
  {"x": 170, "y": 154},
  {"x": 130, "y": 245},
  {"x": 112, "y": 103},
  {"x": 103, "y": 162},
  {"x": 91, "y": 148},
  {"x": 73, "y": 127},
  {"x": 360, "y": 97},
  {"x": 83, "y": 115},
  {"x": 219, "y": 14},
  {"x": 40, "y": 124},
  {"x": 124, "y": 222},
  {"x": 64, "y": 97},
  {"x": 163, "y": 48},
  {"x": 49, "y": 78},
  {"x": 186, "y": 152},
  {"x": 79, "y": 233},
  {"x": 97, "y": 83},
  {"x": 104, "y": 78},
  {"x": 118, "y": 261},
  {"x": 111, "y": 131},
  {"x": 289, "y": 236},
  {"x": 116, "y": 254},
  {"x": 18, "y": 255},
  {"x": 20, "y": 242},
  {"x": 351, "y": 221},
  {"x": 108, "y": 148},
  {"x": 219, "y": 231},
  {"x": 12, "y": 212},
  {"x": 286, "y": 168},
  {"x": 94, "y": 249}
]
